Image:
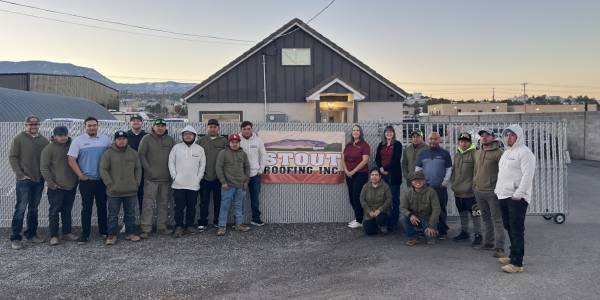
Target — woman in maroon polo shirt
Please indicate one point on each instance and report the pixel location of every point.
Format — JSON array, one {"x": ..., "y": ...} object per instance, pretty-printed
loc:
[
  {"x": 388, "y": 159},
  {"x": 355, "y": 160}
]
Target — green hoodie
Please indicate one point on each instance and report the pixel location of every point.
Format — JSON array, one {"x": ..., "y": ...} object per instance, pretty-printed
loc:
[
  {"x": 422, "y": 204},
  {"x": 24, "y": 156},
  {"x": 121, "y": 171},
  {"x": 212, "y": 147},
  {"x": 409, "y": 159},
  {"x": 154, "y": 155},
  {"x": 486, "y": 168},
  {"x": 462, "y": 172},
  {"x": 374, "y": 198},
  {"x": 55, "y": 167},
  {"x": 233, "y": 167}
]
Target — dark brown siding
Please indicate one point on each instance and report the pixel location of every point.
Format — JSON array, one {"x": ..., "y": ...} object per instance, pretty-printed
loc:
[
  {"x": 14, "y": 81},
  {"x": 244, "y": 83}
]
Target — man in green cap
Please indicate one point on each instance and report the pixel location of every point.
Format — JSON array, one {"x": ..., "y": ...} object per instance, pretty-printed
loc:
[{"x": 154, "y": 155}]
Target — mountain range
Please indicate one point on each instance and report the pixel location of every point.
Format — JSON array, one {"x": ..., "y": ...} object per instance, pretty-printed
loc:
[{"x": 47, "y": 67}]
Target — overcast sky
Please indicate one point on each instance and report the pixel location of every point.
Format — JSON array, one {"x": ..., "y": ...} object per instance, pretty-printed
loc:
[{"x": 453, "y": 49}]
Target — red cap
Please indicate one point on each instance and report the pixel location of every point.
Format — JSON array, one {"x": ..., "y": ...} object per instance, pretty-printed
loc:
[{"x": 234, "y": 136}]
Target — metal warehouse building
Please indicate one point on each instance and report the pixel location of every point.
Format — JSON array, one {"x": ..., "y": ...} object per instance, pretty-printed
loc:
[
  {"x": 17, "y": 105},
  {"x": 63, "y": 85},
  {"x": 296, "y": 74}
]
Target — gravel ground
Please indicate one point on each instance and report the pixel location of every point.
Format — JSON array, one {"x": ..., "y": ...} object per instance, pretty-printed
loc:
[{"x": 317, "y": 261}]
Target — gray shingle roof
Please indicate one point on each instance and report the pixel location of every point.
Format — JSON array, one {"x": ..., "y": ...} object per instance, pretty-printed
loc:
[{"x": 16, "y": 105}]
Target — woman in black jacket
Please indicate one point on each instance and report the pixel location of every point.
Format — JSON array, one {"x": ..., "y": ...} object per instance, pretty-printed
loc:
[{"x": 388, "y": 159}]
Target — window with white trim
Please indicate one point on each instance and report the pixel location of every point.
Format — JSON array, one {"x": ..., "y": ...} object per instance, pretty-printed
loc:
[{"x": 295, "y": 57}]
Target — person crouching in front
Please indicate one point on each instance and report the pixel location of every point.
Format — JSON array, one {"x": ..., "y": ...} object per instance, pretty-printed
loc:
[
  {"x": 421, "y": 210},
  {"x": 376, "y": 201}
]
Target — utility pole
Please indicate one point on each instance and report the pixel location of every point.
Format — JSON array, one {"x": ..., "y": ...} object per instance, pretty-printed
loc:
[
  {"x": 524, "y": 93},
  {"x": 493, "y": 94}
]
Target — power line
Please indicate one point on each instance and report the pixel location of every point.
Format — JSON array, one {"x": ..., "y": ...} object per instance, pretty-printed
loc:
[
  {"x": 320, "y": 12},
  {"x": 127, "y": 24},
  {"x": 119, "y": 30}
]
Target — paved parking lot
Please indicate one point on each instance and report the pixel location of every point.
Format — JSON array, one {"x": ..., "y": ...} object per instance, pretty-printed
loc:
[{"x": 318, "y": 261}]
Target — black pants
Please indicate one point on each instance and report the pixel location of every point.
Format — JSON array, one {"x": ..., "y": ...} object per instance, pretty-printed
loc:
[
  {"x": 206, "y": 189},
  {"x": 442, "y": 194},
  {"x": 185, "y": 200},
  {"x": 90, "y": 190},
  {"x": 140, "y": 194},
  {"x": 355, "y": 185},
  {"x": 513, "y": 218},
  {"x": 61, "y": 204},
  {"x": 372, "y": 226}
]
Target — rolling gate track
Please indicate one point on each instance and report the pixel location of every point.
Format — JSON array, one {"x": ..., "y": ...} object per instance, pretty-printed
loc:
[{"x": 313, "y": 203}]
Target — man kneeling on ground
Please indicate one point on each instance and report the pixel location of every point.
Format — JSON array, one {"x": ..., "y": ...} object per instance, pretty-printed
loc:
[
  {"x": 421, "y": 210},
  {"x": 376, "y": 200},
  {"x": 121, "y": 172}
]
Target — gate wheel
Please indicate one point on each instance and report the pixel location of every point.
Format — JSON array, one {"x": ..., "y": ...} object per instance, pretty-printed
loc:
[
  {"x": 547, "y": 217},
  {"x": 559, "y": 218}
]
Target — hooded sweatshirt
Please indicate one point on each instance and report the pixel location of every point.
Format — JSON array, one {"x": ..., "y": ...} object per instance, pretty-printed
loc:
[
  {"x": 462, "y": 172},
  {"x": 422, "y": 204},
  {"x": 233, "y": 167},
  {"x": 121, "y": 171},
  {"x": 485, "y": 174},
  {"x": 187, "y": 164},
  {"x": 212, "y": 146},
  {"x": 154, "y": 153},
  {"x": 55, "y": 167},
  {"x": 24, "y": 156},
  {"x": 257, "y": 154},
  {"x": 409, "y": 159},
  {"x": 516, "y": 169},
  {"x": 373, "y": 198}
]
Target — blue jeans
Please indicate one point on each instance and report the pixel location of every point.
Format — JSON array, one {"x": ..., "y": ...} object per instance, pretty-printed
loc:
[
  {"x": 28, "y": 194},
  {"x": 114, "y": 207},
  {"x": 254, "y": 189},
  {"x": 442, "y": 194},
  {"x": 395, "y": 212},
  {"x": 411, "y": 230},
  {"x": 235, "y": 195}
]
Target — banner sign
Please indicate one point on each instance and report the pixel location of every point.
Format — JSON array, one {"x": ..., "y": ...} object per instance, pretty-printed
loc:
[{"x": 303, "y": 157}]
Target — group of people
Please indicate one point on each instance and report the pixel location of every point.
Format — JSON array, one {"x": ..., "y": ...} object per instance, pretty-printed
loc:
[
  {"x": 145, "y": 172},
  {"x": 491, "y": 185},
  {"x": 141, "y": 172}
]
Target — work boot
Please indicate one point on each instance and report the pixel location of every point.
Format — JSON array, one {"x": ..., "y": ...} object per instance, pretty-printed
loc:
[
  {"x": 133, "y": 237},
  {"x": 83, "y": 240},
  {"x": 36, "y": 240},
  {"x": 111, "y": 240},
  {"x": 221, "y": 231},
  {"x": 144, "y": 235},
  {"x": 504, "y": 260},
  {"x": 477, "y": 240},
  {"x": 69, "y": 237},
  {"x": 463, "y": 236},
  {"x": 241, "y": 228},
  {"x": 498, "y": 253},
  {"x": 411, "y": 242},
  {"x": 383, "y": 229},
  {"x": 178, "y": 232},
  {"x": 16, "y": 245},
  {"x": 487, "y": 247},
  {"x": 510, "y": 268},
  {"x": 54, "y": 241},
  {"x": 191, "y": 230}
]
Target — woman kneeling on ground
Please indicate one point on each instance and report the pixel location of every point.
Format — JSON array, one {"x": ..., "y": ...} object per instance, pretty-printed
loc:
[{"x": 376, "y": 201}]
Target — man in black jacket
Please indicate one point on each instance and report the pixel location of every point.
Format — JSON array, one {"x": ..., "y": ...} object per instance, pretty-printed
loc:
[
  {"x": 134, "y": 136},
  {"x": 389, "y": 161}
]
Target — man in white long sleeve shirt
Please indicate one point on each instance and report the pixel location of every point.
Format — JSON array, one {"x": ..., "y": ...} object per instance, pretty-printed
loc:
[
  {"x": 436, "y": 165},
  {"x": 187, "y": 162},
  {"x": 257, "y": 156},
  {"x": 514, "y": 189}
]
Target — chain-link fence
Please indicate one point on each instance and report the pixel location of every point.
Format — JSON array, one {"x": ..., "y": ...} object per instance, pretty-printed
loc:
[{"x": 313, "y": 203}]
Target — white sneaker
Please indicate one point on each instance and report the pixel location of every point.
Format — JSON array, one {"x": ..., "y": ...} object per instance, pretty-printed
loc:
[
  {"x": 352, "y": 222},
  {"x": 355, "y": 225}
]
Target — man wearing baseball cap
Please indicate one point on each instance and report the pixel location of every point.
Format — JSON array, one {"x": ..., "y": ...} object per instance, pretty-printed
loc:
[
  {"x": 411, "y": 153},
  {"x": 121, "y": 172},
  {"x": 485, "y": 177},
  {"x": 24, "y": 160},
  {"x": 462, "y": 185},
  {"x": 420, "y": 208},
  {"x": 233, "y": 171},
  {"x": 134, "y": 137},
  {"x": 62, "y": 184},
  {"x": 212, "y": 143},
  {"x": 154, "y": 155}
]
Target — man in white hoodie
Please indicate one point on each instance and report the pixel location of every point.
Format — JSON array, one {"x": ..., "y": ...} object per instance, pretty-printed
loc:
[
  {"x": 514, "y": 190},
  {"x": 187, "y": 162},
  {"x": 257, "y": 155}
]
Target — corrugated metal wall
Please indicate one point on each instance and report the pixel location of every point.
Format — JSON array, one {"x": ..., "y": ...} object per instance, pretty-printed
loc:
[
  {"x": 312, "y": 203},
  {"x": 75, "y": 87}
]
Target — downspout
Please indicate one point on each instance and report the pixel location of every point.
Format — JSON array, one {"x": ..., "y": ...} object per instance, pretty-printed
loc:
[{"x": 264, "y": 65}]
